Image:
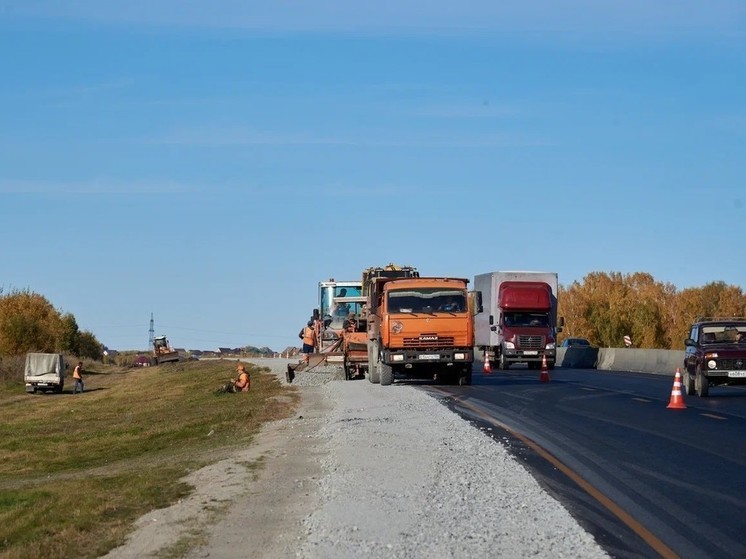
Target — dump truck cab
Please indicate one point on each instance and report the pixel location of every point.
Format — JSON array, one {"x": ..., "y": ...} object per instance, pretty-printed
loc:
[{"x": 420, "y": 328}]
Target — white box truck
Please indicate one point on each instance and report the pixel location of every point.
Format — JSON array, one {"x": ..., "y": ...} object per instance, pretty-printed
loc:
[
  {"x": 44, "y": 372},
  {"x": 519, "y": 323}
]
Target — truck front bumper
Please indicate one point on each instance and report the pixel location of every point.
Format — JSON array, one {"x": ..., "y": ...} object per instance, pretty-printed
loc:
[
  {"x": 424, "y": 357},
  {"x": 530, "y": 356}
]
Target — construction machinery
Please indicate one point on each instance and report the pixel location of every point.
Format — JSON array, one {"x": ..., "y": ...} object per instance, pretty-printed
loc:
[
  {"x": 355, "y": 334},
  {"x": 420, "y": 328},
  {"x": 163, "y": 352},
  {"x": 338, "y": 301},
  {"x": 340, "y": 322}
]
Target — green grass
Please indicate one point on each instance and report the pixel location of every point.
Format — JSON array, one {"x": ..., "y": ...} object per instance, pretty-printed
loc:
[{"x": 77, "y": 470}]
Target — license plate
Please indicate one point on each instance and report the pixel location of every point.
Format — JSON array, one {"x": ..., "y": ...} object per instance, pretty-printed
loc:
[
  {"x": 737, "y": 374},
  {"x": 429, "y": 356},
  {"x": 530, "y": 353}
]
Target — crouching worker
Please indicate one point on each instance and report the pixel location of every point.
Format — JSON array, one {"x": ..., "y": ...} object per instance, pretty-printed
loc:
[
  {"x": 240, "y": 384},
  {"x": 243, "y": 382}
]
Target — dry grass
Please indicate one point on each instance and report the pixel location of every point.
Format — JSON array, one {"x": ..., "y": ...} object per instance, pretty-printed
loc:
[{"x": 77, "y": 470}]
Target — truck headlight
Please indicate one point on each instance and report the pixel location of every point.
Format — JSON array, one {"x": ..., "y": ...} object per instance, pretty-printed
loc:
[
  {"x": 711, "y": 364},
  {"x": 509, "y": 345},
  {"x": 459, "y": 356},
  {"x": 397, "y": 357},
  {"x": 551, "y": 346}
]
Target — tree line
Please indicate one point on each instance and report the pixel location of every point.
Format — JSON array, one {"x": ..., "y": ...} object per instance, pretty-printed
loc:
[
  {"x": 605, "y": 307},
  {"x": 30, "y": 323}
]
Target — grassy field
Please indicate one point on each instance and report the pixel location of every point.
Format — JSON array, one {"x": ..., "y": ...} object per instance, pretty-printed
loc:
[{"x": 77, "y": 470}]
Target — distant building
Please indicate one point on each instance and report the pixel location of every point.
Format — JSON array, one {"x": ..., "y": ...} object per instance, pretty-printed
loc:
[{"x": 142, "y": 361}]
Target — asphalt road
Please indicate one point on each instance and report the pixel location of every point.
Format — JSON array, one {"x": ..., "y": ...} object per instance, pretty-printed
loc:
[{"x": 647, "y": 481}]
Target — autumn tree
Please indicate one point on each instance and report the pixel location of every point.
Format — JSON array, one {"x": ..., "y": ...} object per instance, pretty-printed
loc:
[
  {"x": 605, "y": 307},
  {"x": 29, "y": 322}
]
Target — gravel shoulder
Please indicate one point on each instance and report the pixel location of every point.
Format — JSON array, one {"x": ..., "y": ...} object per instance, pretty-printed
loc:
[{"x": 363, "y": 471}]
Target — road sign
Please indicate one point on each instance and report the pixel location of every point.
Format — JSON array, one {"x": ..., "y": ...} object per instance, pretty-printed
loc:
[{"x": 627, "y": 341}]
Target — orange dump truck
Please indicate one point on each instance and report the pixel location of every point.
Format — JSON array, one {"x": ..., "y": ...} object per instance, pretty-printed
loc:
[
  {"x": 420, "y": 328},
  {"x": 355, "y": 334}
]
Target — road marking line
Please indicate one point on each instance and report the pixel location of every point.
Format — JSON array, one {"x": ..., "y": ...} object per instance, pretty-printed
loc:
[
  {"x": 714, "y": 416},
  {"x": 646, "y": 535},
  {"x": 642, "y": 400},
  {"x": 588, "y": 389}
]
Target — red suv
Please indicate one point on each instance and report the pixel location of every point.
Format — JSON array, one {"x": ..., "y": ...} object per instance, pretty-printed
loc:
[{"x": 715, "y": 354}]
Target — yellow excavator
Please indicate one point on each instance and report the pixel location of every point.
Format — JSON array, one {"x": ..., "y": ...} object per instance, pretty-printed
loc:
[{"x": 163, "y": 352}]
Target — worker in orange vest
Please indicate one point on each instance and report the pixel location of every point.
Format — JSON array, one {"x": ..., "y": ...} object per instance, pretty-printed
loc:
[
  {"x": 78, "y": 377},
  {"x": 243, "y": 382},
  {"x": 308, "y": 335}
]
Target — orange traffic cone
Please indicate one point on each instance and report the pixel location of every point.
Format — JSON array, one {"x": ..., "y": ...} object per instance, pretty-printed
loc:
[
  {"x": 487, "y": 368},
  {"x": 677, "y": 400},
  {"x": 544, "y": 375}
]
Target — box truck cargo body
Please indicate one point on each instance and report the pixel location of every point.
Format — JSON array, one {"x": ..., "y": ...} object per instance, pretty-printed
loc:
[
  {"x": 519, "y": 323},
  {"x": 44, "y": 372}
]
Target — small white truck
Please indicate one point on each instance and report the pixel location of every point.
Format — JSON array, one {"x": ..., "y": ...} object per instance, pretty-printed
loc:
[{"x": 44, "y": 372}]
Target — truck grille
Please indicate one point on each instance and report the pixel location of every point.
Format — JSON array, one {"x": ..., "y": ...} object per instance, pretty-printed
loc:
[
  {"x": 530, "y": 342},
  {"x": 442, "y": 341},
  {"x": 732, "y": 364}
]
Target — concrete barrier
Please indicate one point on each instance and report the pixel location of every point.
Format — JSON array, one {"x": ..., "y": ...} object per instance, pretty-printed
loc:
[
  {"x": 656, "y": 361},
  {"x": 577, "y": 357}
]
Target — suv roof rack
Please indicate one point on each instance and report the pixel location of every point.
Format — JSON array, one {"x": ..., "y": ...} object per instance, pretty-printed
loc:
[{"x": 721, "y": 319}]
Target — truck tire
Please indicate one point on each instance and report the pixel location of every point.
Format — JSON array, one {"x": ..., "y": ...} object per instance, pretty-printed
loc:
[
  {"x": 503, "y": 363},
  {"x": 348, "y": 369},
  {"x": 373, "y": 375},
  {"x": 464, "y": 378},
  {"x": 701, "y": 384},
  {"x": 386, "y": 373},
  {"x": 688, "y": 383}
]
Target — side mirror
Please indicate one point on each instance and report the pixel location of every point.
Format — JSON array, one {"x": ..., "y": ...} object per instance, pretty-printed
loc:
[
  {"x": 492, "y": 321},
  {"x": 480, "y": 308},
  {"x": 493, "y": 328},
  {"x": 690, "y": 342},
  {"x": 315, "y": 314},
  {"x": 561, "y": 323}
]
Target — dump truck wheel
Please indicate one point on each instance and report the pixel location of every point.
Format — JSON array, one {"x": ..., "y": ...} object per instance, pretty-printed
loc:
[
  {"x": 373, "y": 375},
  {"x": 386, "y": 374},
  {"x": 464, "y": 378}
]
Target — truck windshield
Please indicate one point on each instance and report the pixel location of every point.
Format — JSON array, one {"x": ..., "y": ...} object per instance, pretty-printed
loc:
[
  {"x": 335, "y": 303},
  {"x": 526, "y": 319},
  {"x": 427, "y": 300}
]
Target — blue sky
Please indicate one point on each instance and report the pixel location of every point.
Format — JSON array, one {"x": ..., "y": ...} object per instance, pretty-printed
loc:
[{"x": 211, "y": 162}]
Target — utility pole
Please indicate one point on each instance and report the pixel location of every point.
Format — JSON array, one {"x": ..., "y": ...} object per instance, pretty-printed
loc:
[{"x": 151, "y": 332}]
